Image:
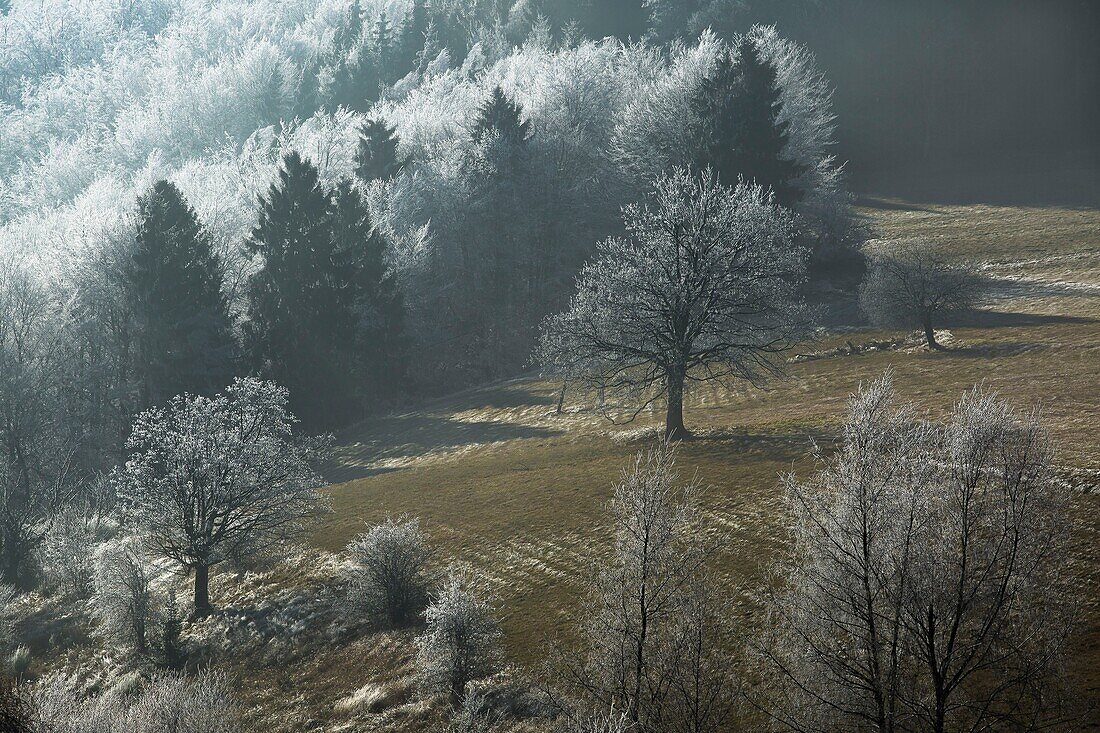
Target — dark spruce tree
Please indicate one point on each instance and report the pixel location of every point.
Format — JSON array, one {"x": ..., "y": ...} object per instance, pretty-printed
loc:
[
  {"x": 379, "y": 307},
  {"x": 501, "y": 116},
  {"x": 382, "y": 46},
  {"x": 184, "y": 334},
  {"x": 740, "y": 133},
  {"x": 376, "y": 158},
  {"x": 414, "y": 33},
  {"x": 302, "y": 326}
]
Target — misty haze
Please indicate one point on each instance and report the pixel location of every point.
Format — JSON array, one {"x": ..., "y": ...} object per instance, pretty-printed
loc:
[{"x": 549, "y": 366}]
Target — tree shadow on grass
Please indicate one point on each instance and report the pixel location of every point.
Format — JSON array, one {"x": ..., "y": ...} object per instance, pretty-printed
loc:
[
  {"x": 1009, "y": 319},
  {"x": 411, "y": 435},
  {"x": 785, "y": 446},
  {"x": 504, "y": 397}
]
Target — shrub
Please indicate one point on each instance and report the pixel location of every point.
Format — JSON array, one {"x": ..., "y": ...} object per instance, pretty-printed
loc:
[
  {"x": 462, "y": 641},
  {"x": 387, "y": 580},
  {"x": 19, "y": 662},
  {"x": 167, "y": 703},
  {"x": 173, "y": 654},
  {"x": 67, "y": 554},
  {"x": 123, "y": 598}
]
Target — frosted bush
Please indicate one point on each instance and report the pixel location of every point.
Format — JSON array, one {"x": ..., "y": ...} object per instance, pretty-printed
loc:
[
  {"x": 123, "y": 597},
  {"x": 387, "y": 579},
  {"x": 167, "y": 703}
]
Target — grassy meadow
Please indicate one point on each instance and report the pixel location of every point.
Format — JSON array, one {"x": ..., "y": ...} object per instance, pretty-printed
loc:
[{"x": 505, "y": 484}]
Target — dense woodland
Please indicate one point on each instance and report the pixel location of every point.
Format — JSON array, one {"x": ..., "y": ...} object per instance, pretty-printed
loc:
[{"x": 228, "y": 226}]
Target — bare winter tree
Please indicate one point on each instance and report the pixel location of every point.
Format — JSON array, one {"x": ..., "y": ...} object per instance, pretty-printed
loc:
[
  {"x": 924, "y": 593},
  {"x": 35, "y": 458},
  {"x": 703, "y": 287},
  {"x": 654, "y": 639},
  {"x": 387, "y": 578},
  {"x": 123, "y": 595},
  {"x": 220, "y": 477},
  {"x": 913, "y": 285},
  {"x": 462, "y": 640}
]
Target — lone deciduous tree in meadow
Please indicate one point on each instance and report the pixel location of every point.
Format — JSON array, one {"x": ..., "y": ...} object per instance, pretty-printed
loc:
[
  {"x": 914, "y": 285},
  {"x": 220, "y": 477},
  {"x": 704, "y": 286},
  {"x": 924, "y": 590}
]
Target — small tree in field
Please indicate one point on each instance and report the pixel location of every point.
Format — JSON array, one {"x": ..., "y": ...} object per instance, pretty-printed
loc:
[
  {"x": 218, "y": 477},
  {"x": 703, "y": 287},
  {"x": 653, "y": 638},
  {"x": 924, "y": 593},
  {"x": 915, "y": 285},
  {"x": 462, "y": 641},
  {"x": 387, "y": 579}
]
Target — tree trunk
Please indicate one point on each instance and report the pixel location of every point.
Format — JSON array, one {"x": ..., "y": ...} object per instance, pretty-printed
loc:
[
  {"x": 930, "y": 335},
  {"x": 10, "y": 559},
  {"x": 458, "y": 693},
  {"x": 674, "y": 417},
  {"x": 202, "y": 591}
]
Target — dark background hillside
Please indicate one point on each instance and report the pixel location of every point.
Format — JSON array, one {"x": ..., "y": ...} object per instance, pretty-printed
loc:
[{"x": 981, "y": 99}]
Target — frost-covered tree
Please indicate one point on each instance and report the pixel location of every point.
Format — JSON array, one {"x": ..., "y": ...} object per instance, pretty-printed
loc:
[
  {"x": 654, "y": 638},
  {"x": 67, "y": 552},
  {"x": 387, "y": 578},
  {"x": 36, "y": 452},
  {"x": 183, "y": 330},
  {"x": 376, "y": 158},
  {"x": 924, "y": 592},
  {"x": 7, "y": 623},
  {"x": 742, "y": 133},
  {"x": 461, "y": 643},
  {"x": 216, "y": 477},
  {"x": 703, "y": 287},
  {"x": 913, "y": 284},
  {"x": 124, "y": 601}
]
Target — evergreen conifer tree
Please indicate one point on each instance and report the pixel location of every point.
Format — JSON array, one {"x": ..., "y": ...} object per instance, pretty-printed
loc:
[
  {"x": 382, "y": 45},
  {"x": 303, "y": 306},
  {"x": 502, "y": 116},
  {"x": 183, "y": 334},
  {"x": 740, "y": 132},
  {"x": 376, "y": 157},
  {"x": 379, "y": 329},
  {"x": 414, "y": 33}
]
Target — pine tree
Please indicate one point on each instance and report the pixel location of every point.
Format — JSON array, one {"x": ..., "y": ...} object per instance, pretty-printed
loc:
[
  {"x": 740, "y": 134},
  {"x": 349, "y": 35},
  {"x": 378, "y": 302},
  {"x": 500, "y": 115},
  {"x": 376, "y": 158},
  {"x": 357, "y": 82},
  {"x": 184, "y": 339},
  {"x": 382, "y": 47},
  {"x": 414, "y": 34},
  {"x": 302, "y": 311}
]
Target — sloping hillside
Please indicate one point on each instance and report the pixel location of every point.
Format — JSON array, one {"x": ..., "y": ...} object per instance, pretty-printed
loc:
[{"x": 505, "y": 483}]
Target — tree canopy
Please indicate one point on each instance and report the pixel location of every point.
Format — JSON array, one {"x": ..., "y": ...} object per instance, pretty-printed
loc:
[{"x": 702, "y": 287}]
